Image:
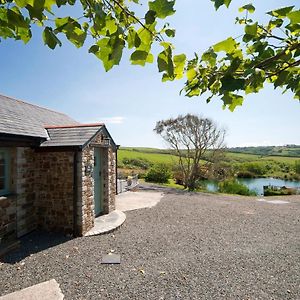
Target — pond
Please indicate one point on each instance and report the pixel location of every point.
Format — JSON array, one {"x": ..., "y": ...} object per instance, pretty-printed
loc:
[{"x": 256, "y": 184}]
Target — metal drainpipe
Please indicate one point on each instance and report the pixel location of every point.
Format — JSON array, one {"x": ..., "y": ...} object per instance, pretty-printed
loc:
[
  {"x": 116, "y": 166},
  {"x": 75, "y": 193}
]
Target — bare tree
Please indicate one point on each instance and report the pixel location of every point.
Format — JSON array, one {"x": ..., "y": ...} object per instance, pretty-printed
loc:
[{"x": 191, "y": 137}]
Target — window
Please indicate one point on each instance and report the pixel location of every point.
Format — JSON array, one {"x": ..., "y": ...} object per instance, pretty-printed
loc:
[{"x": 4, "y": 172}]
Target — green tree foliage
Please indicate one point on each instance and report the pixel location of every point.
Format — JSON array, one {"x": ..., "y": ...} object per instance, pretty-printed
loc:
[
  {"x": 159, "y": 173},
  {"x": 297, "y": 167},
  {"x": 232, "y": 186},
  {"x": 192, "y": 138},
  {"x": 107, "y": 26},
  {"x": 228, "y": 70},
  {"x": 238, "y": 66}
]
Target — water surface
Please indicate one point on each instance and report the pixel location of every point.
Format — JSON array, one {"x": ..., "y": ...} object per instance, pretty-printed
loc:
[{"x": 255, "y": 184}]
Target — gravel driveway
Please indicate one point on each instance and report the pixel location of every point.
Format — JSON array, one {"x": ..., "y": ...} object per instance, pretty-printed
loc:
[{"x": 189, "y": 246}]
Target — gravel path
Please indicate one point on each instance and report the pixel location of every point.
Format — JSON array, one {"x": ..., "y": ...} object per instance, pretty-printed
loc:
[{"x": 189, "y": 246}]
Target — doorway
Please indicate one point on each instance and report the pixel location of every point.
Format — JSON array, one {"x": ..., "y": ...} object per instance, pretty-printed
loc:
[{"x": 98, "y": 186}]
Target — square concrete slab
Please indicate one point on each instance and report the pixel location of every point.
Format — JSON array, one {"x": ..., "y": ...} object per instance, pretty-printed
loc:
[
  {"x": 48, "y": 290},
  {"x": 111, "y": 258}
]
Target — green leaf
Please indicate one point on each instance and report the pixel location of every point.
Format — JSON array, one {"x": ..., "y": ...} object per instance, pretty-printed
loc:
[
  {"x": 294, "y": 17},
  {"x": 179, "y": 64},
  {"x": 111, "y": 26},
  {"x": 48, "y": 4},
  {"x": 191, "y": 74},
  {"x": 281, "y": 12},
  {"x": 275, "y": 23},
  {"x": 232, "y": 100},
  {"x": 229, "y": 45},
  {"x": 6, "y": 33},
  {"x": 163, "y": 8},
  {"x": 281, "y": 79},
  {"x": 60, "y": 3},
  {"x": 14, "y": 17},
  {"x": 150, "y": 17},
  {"x": 170, "y": 32},
  {"x": 24, "y": 34},
  {"x": 61, "y": 22},
  {"x": 230, "y": 83},
  {"x": 21, "y": 3},
  {"x": 104, "y": 53},
  {"x": 251, "y": 29},
  {"x": 249, "y": 7},
  {"x": 165, "y": 62},
  {"x": 50, "y": 39},
  {"x": 72, "y": 30},
  {"x": 219, "y": 3},
  {"x": 94, "y": 49},
  {"x": 139, "y": 55},
  {"x": 145, "y": 36},
  {"x": 133, "y": 39},
  {"x": 210, "y": 57},
  {"x": 117, "y": 45},
  {"x": 36, "y": 8}
]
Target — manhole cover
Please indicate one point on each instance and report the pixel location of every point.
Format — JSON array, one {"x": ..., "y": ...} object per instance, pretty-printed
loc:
[{"x": 111, "y": 258}]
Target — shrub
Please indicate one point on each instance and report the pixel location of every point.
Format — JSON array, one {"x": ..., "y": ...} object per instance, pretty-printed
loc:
[
  {"x": 283, "y": 191},
  {"x": 137, "y": 162},
  {"x": 159, "y": 173},
  {"x": 178, "y": 177},
  {"x": 245, "y": 174},
  {"x": 297, "y": 166},
  {"x": 232, "y": 186},
  {"x": 255, "y": 168}
]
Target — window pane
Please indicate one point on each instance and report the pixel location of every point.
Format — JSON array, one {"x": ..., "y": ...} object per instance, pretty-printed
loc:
[
  {"x": 2, "y": 170},
  {"x": 2, "y": 183}
]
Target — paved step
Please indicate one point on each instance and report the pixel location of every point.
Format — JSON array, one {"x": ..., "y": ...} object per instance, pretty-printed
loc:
[{"x": 107, "y": 223}]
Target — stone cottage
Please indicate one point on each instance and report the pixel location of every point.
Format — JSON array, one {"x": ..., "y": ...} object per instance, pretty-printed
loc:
[{"x": 55, "y": 173}]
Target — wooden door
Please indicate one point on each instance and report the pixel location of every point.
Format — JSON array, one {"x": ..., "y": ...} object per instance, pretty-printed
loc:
[{"x": 98, "y": 191}]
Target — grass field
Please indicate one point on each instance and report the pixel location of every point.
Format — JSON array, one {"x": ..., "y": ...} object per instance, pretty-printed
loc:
[
  {"x": 245, "y": 157},
  {"x": 148, "y": 154},
  {"x": 163, "y": 156}
]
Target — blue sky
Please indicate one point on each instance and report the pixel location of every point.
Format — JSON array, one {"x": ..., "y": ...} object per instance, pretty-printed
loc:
[{"x": 130, "y": 99}]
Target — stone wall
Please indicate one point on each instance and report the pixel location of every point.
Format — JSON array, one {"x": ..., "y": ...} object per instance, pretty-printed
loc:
[
  {"x": 8, "y": 223},
  {"x": 23, "y": 185},
  {"x": 54, "y": 190},
  {"x": 108, "y": 172},
  {"x": 109, "y": 178},
  {"x": 86, "y": 207},
  {"x": 41, "y": 193},
  {"x": 8, "y": 207},
  {"x": 86, "y": 214},
  {"x": 42, "y": 190},
  {"x": 17, "y": 212}
]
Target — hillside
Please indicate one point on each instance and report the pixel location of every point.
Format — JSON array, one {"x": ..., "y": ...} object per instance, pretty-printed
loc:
[
  {"x": 287, "y": 150},
  {"x": 245, "y": 164}
]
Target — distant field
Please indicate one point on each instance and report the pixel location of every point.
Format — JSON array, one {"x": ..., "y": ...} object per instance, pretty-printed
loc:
[
  {"x": 245, "y": 157},
  {"x": 147, "y": 154},
  {"x": 286, "y": 151},
  {"x": 163, "y": 156}
]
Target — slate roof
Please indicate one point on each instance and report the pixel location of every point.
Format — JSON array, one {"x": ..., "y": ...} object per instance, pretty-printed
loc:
[
  {"x": 21, "y": 118},
  {"x": 18, "y": 118},
  {"x": 65, "y": 136}
]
